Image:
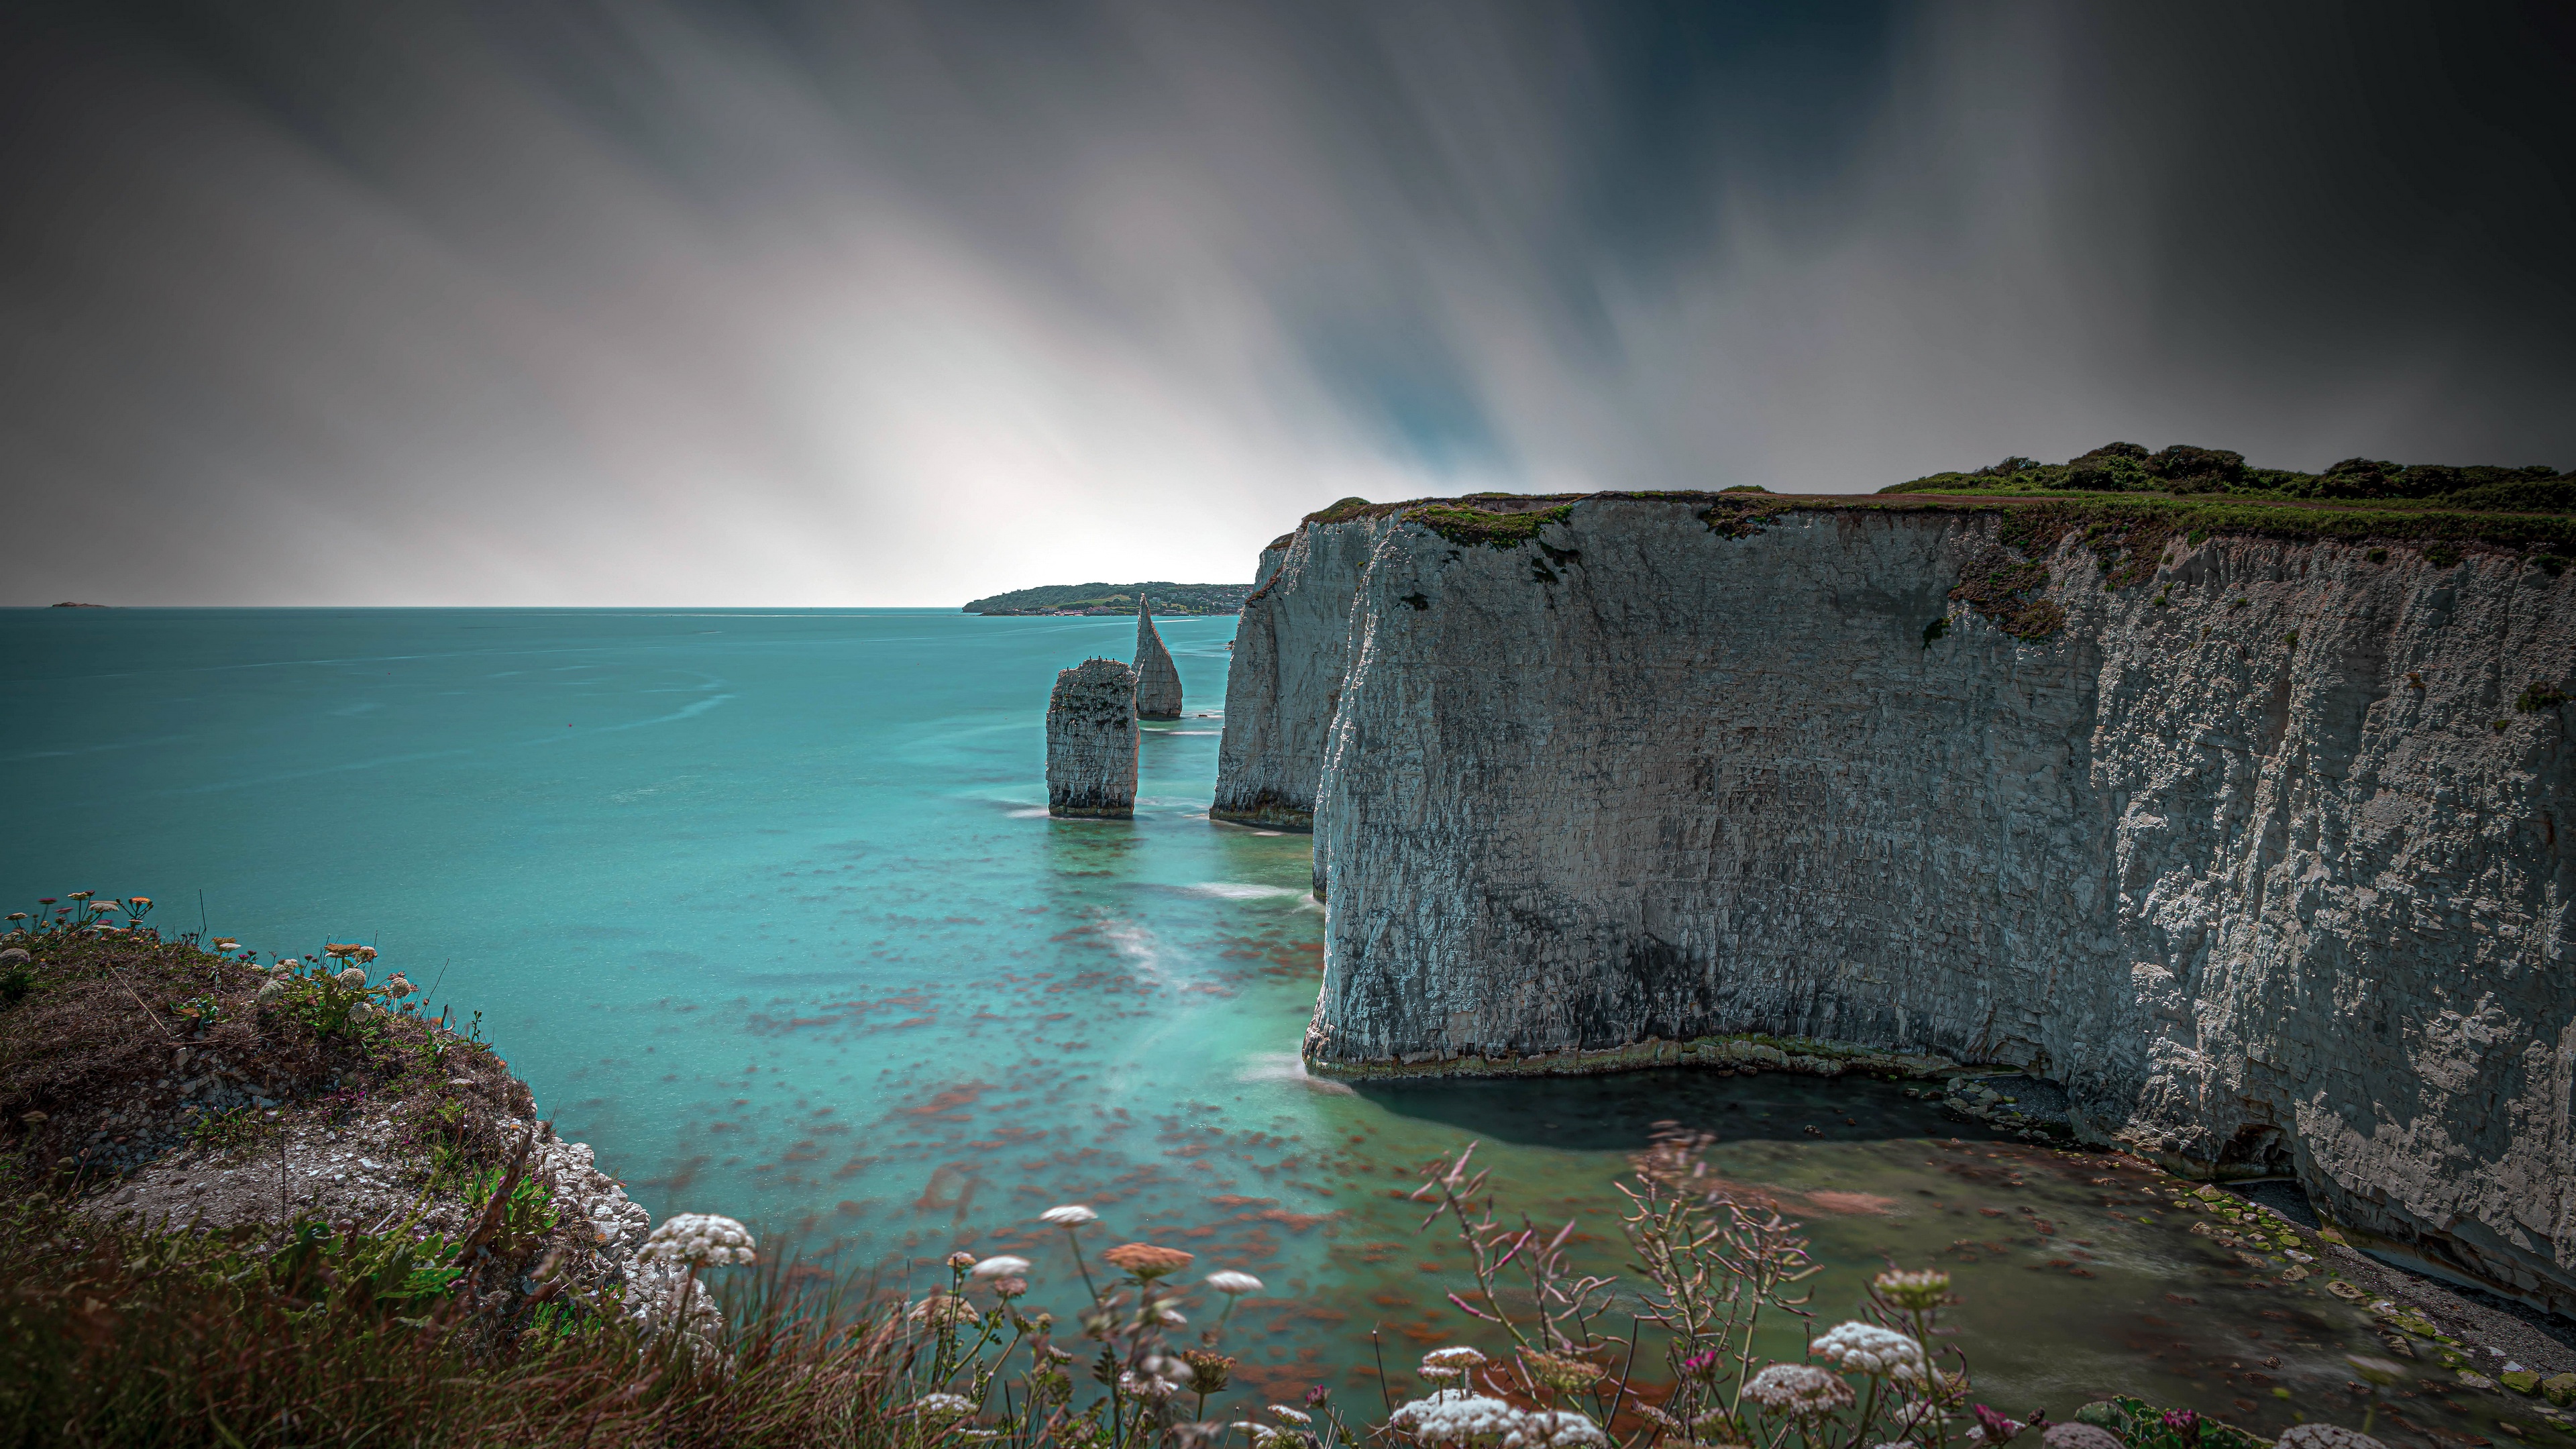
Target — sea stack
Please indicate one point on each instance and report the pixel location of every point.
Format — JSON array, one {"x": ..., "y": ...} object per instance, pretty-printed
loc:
[
  {"x": 1158, "y": 682},
  {"x": 1091, "y": 741}
]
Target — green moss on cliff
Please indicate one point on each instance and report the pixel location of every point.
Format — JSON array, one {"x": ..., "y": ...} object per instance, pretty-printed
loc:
[
  {"x": 1342, "y": 511},
  {"x": 2009, "y": 591},
  {"x": 1471, "y": 526}
]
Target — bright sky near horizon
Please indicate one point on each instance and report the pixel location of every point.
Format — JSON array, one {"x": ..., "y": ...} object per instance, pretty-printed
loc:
[{"x": 791, "y": 303}]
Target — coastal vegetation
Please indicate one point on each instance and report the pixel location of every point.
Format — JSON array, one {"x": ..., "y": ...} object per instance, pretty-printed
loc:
[
  {"x": 299, "y": 1327},
  {"x": 1115, "y": 599},
  {"x": 1492, "y": 529},
  {"x": 2183, "y": 470}
]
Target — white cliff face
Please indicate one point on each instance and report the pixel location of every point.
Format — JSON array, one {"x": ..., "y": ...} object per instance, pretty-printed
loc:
[
  {"x": 1091, "y": 741},
  {"x": 1291, "y": 655},
  {"x": 1158, "y": 680},
  {"x": 2258, "y": 901},
  {"x": 1291, "y": 651}
]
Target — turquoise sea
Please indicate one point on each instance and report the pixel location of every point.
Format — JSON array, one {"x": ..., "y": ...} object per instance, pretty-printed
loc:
[{"x": 767, "y": 907}]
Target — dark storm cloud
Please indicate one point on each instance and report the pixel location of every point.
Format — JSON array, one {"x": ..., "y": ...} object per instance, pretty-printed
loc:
[{"x": 899, "y": 303}]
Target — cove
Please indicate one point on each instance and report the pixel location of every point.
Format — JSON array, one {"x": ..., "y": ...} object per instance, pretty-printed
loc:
[{"x": 766, "y": 908}]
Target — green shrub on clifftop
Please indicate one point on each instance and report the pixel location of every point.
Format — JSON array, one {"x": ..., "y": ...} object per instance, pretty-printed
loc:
[{"x": 1471, "y": 526}]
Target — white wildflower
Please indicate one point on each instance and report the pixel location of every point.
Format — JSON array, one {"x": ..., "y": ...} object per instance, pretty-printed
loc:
[
  {"x": 1144, "y": 1386},
  {"x": 1071, "y": 1215},
  {"x": 1232, "y": 1283},
  {"x": 355, "y": 976},
  {"x": 703, "y": 1239},
  {"x": 1449, "y": 1363},
  {"x": 1555, "y": 1429},
  {"x": 1917, "y": 1290},
  {"x": 1798, "y": 1389},
  {"x": 1454, "y": 1416},
  {"x": 1002, "y": 1265},
  {"x": 943, "y": 1406},
  {"x": 1867, "y": 1348},
  {"x": 1293, "y": 1416}
]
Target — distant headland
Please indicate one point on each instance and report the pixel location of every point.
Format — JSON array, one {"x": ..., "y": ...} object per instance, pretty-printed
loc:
[{"x": 1116, "y": 599}]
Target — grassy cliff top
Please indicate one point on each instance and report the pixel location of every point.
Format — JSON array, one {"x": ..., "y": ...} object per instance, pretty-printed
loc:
[
  {"x": 2182, "y": 470},
  {"x": 2182, "y": 487}
]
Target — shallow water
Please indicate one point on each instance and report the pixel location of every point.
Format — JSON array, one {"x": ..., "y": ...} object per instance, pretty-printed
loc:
[{"x": 767, "y": 907}]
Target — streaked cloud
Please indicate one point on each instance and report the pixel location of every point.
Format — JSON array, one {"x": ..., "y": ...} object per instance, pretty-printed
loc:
[{"x": 900, "y": 304}]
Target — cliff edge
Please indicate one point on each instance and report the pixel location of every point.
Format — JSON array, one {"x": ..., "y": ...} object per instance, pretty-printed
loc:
[{"x": 2250, "y": 841}]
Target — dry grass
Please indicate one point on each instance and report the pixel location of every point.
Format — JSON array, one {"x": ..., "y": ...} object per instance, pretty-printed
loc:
[
  {"x": 99, "y": 1056},
  {"x": 110, "y": 1337}
]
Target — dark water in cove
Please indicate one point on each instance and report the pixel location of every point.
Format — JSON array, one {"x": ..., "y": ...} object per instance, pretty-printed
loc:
[{"x": 767, "y": 907}]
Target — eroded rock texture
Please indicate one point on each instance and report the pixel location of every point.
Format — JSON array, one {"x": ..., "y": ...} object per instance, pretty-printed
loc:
[
  {"x": 1158, "y": 682},
  {"x": 1291, "y": 655},
  {"x": 1091, "y": 741},
  {"x": 2267, "y": 874}
]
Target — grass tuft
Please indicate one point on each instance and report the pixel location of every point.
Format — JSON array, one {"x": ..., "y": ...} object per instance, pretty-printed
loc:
[{"x": 1472, "y": 526}]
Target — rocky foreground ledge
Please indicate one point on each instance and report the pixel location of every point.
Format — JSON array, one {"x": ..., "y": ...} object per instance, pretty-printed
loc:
[{"x": 168, "y": 1085}]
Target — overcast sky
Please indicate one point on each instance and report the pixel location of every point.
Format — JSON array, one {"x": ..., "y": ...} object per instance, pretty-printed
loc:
[{"x": 824, "y": 304}]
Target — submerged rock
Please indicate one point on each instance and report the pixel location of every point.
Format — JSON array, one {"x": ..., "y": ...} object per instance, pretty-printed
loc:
[
  {"x": 1091, "y": 741},
  {"x": 2325, "y": 1436},
  {"x": 2245, "y": 840},
  {"x": 2078, "y": 1436},
  {"x": 1158, "y": 682}
]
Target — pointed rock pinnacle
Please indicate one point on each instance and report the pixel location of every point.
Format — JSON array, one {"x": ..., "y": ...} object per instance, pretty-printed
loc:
[{"x": 1158, "y": 681}]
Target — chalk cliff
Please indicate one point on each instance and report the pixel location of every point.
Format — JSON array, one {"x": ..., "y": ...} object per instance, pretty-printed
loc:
[
  {"x": 1158, "y": 682},
  {"x": 1091, "y": 741},
  {"x": 2250, "y": 842},
  {"x": 1291, "y": 655}
]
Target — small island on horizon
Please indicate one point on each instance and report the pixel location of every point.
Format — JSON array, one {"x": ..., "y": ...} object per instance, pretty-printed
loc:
[{"x": 1115, "y": 599}]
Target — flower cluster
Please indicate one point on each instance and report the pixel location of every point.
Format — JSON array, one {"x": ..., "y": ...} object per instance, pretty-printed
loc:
[
  {"x": 1146, "y": 1260},
  {"x": 1866, "y": 1348},
  {"x": 1455, "y": 1416},
  {"x": 943, "y": 1406},
  {"x": 699, "y": 1239},
  {"x": 1449, "y": 1363},
  {"x": 1554, "y": 1429},
  {"x": 1800, "y": 1390},
  {"x": 1478, "y": 1421},
  {"x": 939, "y": 1309},
  {"x": 1916, "y": 1290}
]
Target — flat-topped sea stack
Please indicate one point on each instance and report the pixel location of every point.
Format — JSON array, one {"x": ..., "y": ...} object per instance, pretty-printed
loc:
[
  {"x": 1091, "y": 742},
  {"x": 1158, "y": 680},
  {"x": 2239, "y": 821}
]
